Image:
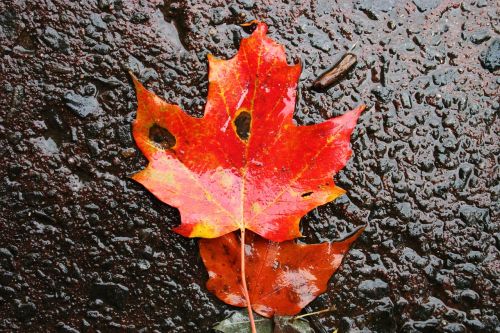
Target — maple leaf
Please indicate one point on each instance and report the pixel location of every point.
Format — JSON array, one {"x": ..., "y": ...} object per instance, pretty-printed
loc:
[
  {"x": 282, "y": 278},
  {"x": 245, "y": 164}
]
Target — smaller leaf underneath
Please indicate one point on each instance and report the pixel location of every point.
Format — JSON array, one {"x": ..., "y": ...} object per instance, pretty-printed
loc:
[
  {"x": 282, "y": 277},
  {"x": 238, "y": 322},
  {"x": 287, "y": 324}
]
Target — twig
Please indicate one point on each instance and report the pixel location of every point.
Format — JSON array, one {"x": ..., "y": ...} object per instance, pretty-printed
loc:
[
  {"x": 337, "y": 72},
  {"x": 332, "y": 308}
]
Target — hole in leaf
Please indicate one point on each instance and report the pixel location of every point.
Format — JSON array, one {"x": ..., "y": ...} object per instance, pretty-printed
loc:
[
  {"x": 242, "y": 124},
  {"x": 306, "y": 194},
  {"x": 161, "y": 137}
]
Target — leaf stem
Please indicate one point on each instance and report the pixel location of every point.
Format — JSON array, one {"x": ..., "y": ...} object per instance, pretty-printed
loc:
[{"x": 244, "y": 281}]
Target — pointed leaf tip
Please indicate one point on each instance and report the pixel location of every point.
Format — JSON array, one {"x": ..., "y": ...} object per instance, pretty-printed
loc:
[
  {"x": 137, "y": 84},
  {"x": 132, "y": 75},
  {"x": 261, "y": 27},
  {"x": 250, "y": 23},
  {"x": 360, "y": 109}
]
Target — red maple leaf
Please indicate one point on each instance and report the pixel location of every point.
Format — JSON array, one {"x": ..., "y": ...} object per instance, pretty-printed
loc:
[
  {"x": 282, "y": 277},
  {"x": 245, "y": 164}
]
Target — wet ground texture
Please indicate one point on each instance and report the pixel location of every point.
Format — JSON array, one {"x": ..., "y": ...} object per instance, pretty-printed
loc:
[{"x": 84, "y": 248}]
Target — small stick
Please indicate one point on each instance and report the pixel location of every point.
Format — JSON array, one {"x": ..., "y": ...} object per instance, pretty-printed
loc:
[
  {"x": 338, "y": 71},
  {"x": 314, "y": 313}
]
